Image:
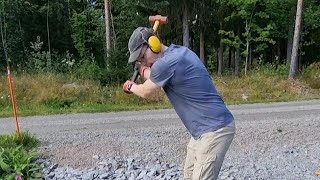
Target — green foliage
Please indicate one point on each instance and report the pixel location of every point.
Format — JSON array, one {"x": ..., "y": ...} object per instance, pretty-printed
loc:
[
  {"x": 38, "y": 58},
  {"x": 68, "y": 63},
  {"x": 19, "y": 159},
  {"x": 311, "y": 75},
  {"x": 11, "y": 141},
  {"x": 118, "y": 70},
  {"x": 271, "y": 70},
  {"x": 77, "y": 32},
  {"x": 88, "y": 69},
  {"x": 18, "y": 162},
  {"x": 88, "y": 33}
]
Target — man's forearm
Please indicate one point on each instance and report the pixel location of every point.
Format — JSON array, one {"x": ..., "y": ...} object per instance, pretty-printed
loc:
[
  {"x": 144, "y": 90},
  {"x": 141, "y": 90},
  {"x": 138, "y": 90}
]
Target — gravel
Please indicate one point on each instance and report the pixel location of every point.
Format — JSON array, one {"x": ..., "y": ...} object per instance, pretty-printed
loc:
[{"x": 273, "y": 141}]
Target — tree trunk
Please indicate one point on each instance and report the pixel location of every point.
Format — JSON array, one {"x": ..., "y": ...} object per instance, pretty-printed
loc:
[
  {"x": 21, "y": 32},
  {"x": 273, "y": 54},
  {"x": 185, "y": 24},
  {"x": 250, "y": 58},
  {"x": 69, "y": 13},
  {"x": 237, "y": 56},
  {"x": 217, "y": 58},
  {"x": 22, "y": 39},
  {"x": 290, "y": 37},
  {"x": 2, "y": 29},
  {"x": 237, "y": 62},
  {"x": 192, "y": 42},
  {"x": 113, "y": 36},
  {"x": 229, "y": 58},
  {"x": 205, "y": 57},
  {"x": 247, "y": 49},
  {"x": 300, "y": 60},
  {"x": 108, "y": 29},
  {"x": 202, "y": 47},
  {"x": 220, "y": 58},
  {"x": 220, "y": 54},
  {"x": 49, "y": 47},
  {"x": 294, "y": 56},
  {"x": 232, "y": 58},
  {"x": 4, "y": 24},
  {"x": 278, "y": 58}
]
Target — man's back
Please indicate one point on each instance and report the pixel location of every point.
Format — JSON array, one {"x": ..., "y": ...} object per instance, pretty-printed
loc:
[{"x": 190, "y": 89}]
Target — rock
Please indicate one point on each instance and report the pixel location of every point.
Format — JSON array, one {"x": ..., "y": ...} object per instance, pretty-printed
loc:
[
  {"x": 96, "y": 157},
  {"x": 130, "y": 160},
  {"x": 88, "y": 176},
  {"x": 50, "y": 175},
  {"x": 104, "y": 175},
  {"x": 142, "y": 174},
  {"x": 120, "y": 171},
  {"x": 53, "y": 167}
]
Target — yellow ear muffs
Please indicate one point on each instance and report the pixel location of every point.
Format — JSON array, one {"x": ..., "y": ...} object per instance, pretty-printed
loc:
[{"x": 155, "y": 44}]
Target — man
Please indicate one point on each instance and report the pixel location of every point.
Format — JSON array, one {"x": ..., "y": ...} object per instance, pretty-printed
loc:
[{"x": 194, "y": 97}]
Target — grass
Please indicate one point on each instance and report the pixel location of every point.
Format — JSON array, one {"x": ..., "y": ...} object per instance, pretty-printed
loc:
[
  {"x": 258, "y": 88},
  {"x": 28, "y": 141},
  {"x": 44, "y": 94}
]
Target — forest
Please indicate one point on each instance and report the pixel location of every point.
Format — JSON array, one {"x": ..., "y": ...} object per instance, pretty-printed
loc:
[{"x": 88, "y": 38}]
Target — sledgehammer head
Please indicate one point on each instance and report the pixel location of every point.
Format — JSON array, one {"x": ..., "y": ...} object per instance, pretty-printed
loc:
[
  {"x": 161, "y": 19},
  {"x": 158, "y": 19}
]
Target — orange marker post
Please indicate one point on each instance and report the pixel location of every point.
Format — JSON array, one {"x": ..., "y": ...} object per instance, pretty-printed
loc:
[{"x": 14, "y": 104}]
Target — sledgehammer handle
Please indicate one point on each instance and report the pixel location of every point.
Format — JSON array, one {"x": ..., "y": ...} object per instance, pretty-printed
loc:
[
  {"x": 155, "y": 26},
  {"x": 135, "y": 75}
]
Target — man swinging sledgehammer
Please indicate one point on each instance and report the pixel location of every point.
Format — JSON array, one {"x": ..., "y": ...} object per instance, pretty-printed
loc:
[{"x": 190, "y": 89}]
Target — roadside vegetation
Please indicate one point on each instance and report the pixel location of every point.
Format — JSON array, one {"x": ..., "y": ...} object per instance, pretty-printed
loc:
[
  {"x": 18, "y": 159},
  {"x": 41, "y": 94}
]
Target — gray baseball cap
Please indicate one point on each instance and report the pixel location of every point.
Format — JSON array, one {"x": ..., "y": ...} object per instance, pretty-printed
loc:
[{"x": 138, "y": 38}]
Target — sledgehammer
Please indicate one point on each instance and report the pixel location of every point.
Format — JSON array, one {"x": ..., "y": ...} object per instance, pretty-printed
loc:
[{"x": 158, "y": 19}]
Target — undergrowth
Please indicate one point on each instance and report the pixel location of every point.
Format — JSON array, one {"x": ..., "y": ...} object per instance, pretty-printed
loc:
[
  {"x": 18, "y": 159},
  {"x": 58, "y": 93}
]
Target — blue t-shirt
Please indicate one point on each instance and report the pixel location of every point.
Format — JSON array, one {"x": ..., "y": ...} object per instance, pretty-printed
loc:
[{"x": 191, "y": 91}]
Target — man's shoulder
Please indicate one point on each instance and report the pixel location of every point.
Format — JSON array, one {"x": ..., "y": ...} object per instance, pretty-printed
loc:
[{"x": 175, "y": 47}]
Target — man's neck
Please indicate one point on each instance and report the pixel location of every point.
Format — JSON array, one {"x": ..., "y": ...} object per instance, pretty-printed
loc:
[{"x": 163, "y": 48}]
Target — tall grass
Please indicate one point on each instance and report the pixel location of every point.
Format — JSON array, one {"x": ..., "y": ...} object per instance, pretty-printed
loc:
[
  {"x": 312, "y": 75},
  {"x": 57, "y": 93},
  {"x": 28, "y": 141}
]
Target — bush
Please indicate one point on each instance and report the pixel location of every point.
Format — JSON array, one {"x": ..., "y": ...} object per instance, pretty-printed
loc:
[
  {"x": 15, "y": 162},
  {"x": 88, "y": 69},
  {"x": 11, "y": 141},
  {"x": 118, "y": 69},
  {"x": 311, "y": 75},
  {"x": 272, "y": 69},
  {"x": 19, "y": 160}
]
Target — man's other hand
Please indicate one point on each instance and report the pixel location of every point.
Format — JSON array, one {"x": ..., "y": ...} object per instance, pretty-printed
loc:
[{"x": 127, "y": 86}]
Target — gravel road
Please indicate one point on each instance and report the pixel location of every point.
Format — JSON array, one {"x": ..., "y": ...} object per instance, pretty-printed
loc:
[{"x": 273, "y": 141}]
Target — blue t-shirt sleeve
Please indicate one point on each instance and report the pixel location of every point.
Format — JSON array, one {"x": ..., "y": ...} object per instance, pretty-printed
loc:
[{"x": 161, "y": 72}]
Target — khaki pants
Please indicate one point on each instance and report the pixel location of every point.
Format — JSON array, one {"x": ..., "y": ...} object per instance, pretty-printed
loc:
[{"x": 206, "y": 154}]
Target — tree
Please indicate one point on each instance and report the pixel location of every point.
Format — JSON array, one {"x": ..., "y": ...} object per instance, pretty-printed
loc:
[
  {"x": 185, "y": 19},
  {"x": 294, "y": 56},
  {"x": 108, "y": 29},
  {"x": 253, "y": 32},
  {"x": 48, "y": 32},
  {"x": 290, "y": 36}
]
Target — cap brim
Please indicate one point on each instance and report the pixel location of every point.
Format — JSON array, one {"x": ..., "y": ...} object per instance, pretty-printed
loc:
[{"x": 134, "y": 56}]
